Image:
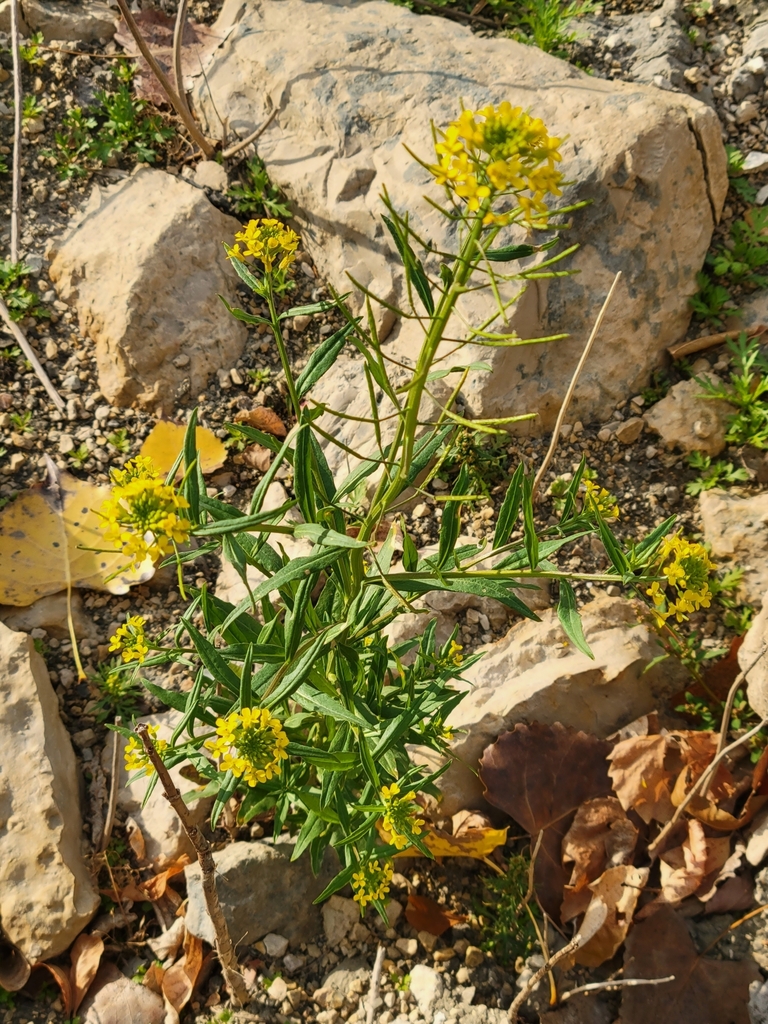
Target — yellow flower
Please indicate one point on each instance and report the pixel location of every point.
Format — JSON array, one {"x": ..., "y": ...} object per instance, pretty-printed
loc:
[
  {"x": 598, "y": 499},
  {"x": 498, "y": 151},
  {"x": 454, "y": 653},
  {"x": 136, "y": 758},
  {"x": 130, "y": 639},
  {"x": 250, "y": 743},
  {"x": 371, "y": 882},
  {"x": 267, "y": 240},
  {"x": 142, "y": 514},
  {"x": 400, "y": 815},
  {"x": 685, "y": 567}
]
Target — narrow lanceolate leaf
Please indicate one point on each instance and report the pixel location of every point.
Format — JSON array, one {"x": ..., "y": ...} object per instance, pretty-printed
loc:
[
  {"x": 414, "y": 270},
  {"x": 322, "y": 359},
  {"x": 308, "y": 697},
  {"x": 450, "y": 526},
  {"x": 302, "y": 475},
  {"x": 568, "y": 613},
  {"x": 410, "y": 554},
  {"x": 191, "y": 484},
  {"x": 529, "y": 526},
  {"x": 509, "y": 252},
  {"x": 329, "y": 538},
  {"x": 212, "y": 660},
  {"x": 510, "y": 509}
]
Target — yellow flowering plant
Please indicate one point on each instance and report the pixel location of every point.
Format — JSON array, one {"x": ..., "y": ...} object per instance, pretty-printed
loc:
[{"x": 301, "y": 708}]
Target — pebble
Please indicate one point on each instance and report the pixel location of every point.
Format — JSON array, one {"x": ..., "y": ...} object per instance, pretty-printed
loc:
[
  {"x": 16, "y": 461},
  {"x": 224, "y": 379},
  {"x": 474, "y": 956},
  {"x": 747, "y": 110},
  {"x": 181, "y": 361},
  {"x": 275, "y": 945},
  {"x": 408, "y": 947},
  {"x": 236, "y": 377},
  {"x": 66, "y": 444},
  {"x": 428, "y": 941},
  {"x": 755, "y": 162},
  {"x": 762, "y": 196},
  {"x": 629, "y": 431},
  {"x": 278, "y": 990},
  {"x": 421, "y": 510}
]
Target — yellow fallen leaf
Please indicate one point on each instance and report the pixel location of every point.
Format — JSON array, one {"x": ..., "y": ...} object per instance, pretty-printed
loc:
[
  {"x": 166, "y": 440},
  {"x": 475, "y": 842},
  {"x": 42, "y": 536}
]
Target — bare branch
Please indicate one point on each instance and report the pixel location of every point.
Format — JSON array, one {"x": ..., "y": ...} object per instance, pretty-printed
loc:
[
  {"x": 599, "y": 986},
  {"x": 112, "y": 805},
  {"x": 224, "y": 947},
  {"x": 571, "y": 388},
  {"x": 724, "y": 724},
  {"x": 534, "y": 980},
  {"x": 373, "y": 993},
  {"x": 29, "y": 353},
  {"x": 227, "y": 153},
  {"x": 178, "y": 34}
]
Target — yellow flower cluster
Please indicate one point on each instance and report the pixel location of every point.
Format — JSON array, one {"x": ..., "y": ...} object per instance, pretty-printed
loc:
[
  {"x": 371, "y": 882},
  {"x": 130, "y": 639},
  {"x": 142, "y": 516},
  {"x": 400, "y": 814},
  {"x": 499, "y": 150},
  {"x": 454, "y": 653},
  {"x": 685, "y": 567},
  {"x": 136, "y": 758},
  {"x": 251, "y": 744},
  {"x": 597, "y": 499},
  {"x": 267, "y": 240}
]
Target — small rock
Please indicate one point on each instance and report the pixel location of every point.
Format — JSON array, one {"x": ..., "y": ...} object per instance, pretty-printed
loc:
[
  {"x": 66, "y": 444},
  {"x": 613, "y": 591},
  {"x": 71, "y": 382},
  {"x": 224, "y": 379},
  {"x": 462, "y": 976},
  {"x": 278, "y": 990},
  {"x": 209, "y": 174},
  {"x": 236, "y": 377},
  {"x": 275, "y": 945},
  {"x": 755, "y": 642},
  {"x": 443, "y": 955},
  {"x": 604, "y": 434},
  {"x": 762, "y": 196},
  {"x": 51, "y": 348},
  {"x": 393, "y": 909},
  {"x": 629, "y": 431},
  {"x": 301, "y": 323},
  {"x": 421, "y": 510},
  {"x": 16, "y": 461},
  {"x": 428, "y": 941},
  {"x": 340, "y": 915},
  {"x": 181, "y": 361},
  {"x": 746, "y": 111},
  {"x": 426, "y": 988},
  {"x": 474, "y": 956},
  {"x": 83, "y": 738},
  {"x": 672, "y": 493},
  {"x": 467, "y": 995},
  {"x": 292, "y": 962},
  {"x": 408, "y": 947},
  {"x": 655, "y": 21},
  {"x": 684, "y": 417},
  {"x": 755, "y": 162}
]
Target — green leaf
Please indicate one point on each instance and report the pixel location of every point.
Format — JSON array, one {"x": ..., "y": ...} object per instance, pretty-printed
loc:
[
  {"x": 510, "y": 508},
  {"x": 570, "y": 619},
  {"x": 240, "y": 314},
  {"x": 327, "y": 705},
  {"x": 246, "y": 276},
  {"x": 315, "y": 307},
  {"x": 410, "y": 554},
  {"x": 510, "y": 252},
  {"x": 530, "y": 536},
  {"x": 265, "y": 440},
  {"x": 425, "y": 450},
  {"x": 322, "y": 359},
  {"x": 302, "y": 474},
  {"x": 212, "y": 660},
  {"x": 450, "y": 526},
  {"x": 439, "y": 374},
  {"x": 612, "y": 547},
  {"x": 329, "y": 761},
  {"x": 191, "y": 484},
  {"x": 470, "y": 583},
  {"x": 342, "y": 879},
  {"x": 647, "y": 546},
  {"x": 414, "y": 271}
]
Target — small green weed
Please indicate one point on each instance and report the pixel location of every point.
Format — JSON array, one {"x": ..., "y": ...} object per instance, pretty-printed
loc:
[
  {"x": 29, "y": 52},
  {"x": 659, "y": 387},
  {"x": 724, "y": 588},
  {"x": 546, "y": 23},
  {"x": 400, "y": 982},
  {"x": 257, "y": 194},
  {"x": 508, "y": 927},
  {"x": 120, "y": 441},
  {"x": 748, "y": 391},
  {"x": 41, "y": 647},
  {"x": 8, "y": 498},
  {"x": 708, "y": 713},
  {"x": 4, "y": 168},
  {"x": 711, "y": 300},
  {"x": 713, "y": 474},
  {"x": 740, "y": 185},
  {"x": 260, "y": 375},
  {"x": 22, "y": 421},
  {"x": 747, "y": 253},
  {"x": 21, "y": 302},
  {"x": 80, "y": 455},
  {"x": 7, "y": 1000},
  {"x": 119, "y": 693}
]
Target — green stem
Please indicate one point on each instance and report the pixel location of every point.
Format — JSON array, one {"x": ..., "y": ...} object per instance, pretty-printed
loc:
[{"x": 275, "y": 323}]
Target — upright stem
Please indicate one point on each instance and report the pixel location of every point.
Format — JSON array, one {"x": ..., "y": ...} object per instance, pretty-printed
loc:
[{"x": 292, "y": 393}]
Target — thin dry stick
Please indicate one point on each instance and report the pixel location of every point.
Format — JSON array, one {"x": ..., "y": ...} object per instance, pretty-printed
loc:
[
  {"x": 224, "y": 947},
  {"x": 701, "y": 782},
  {"x": 112, "y": 805},
  {"x": 686, "y": 348},
  {"x": 227, "y": 153},
  {"x": 725, "y": 723},
  {"x": 736, "y": 924},
  {"x": 572, "y": 387},
  {"x": 17, "y": 111},
  {"x": 29, "y": 353},
  {"x": 534, "y": 980},
  {"x": 373, "y": 992},
  {"x": 177, "y": 104},
  {"x": 178, "y": 34},
  {"x": 598, "y": 986}
]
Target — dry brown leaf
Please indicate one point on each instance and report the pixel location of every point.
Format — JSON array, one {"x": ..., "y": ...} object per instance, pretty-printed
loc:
[
  {"x": 43, "y": 536},
  {"x": 540, "y": 775},
  {"x": 684, "y": 867},
  {"x": 704, "y": 991},
  {"x": 153, "y": 979},
  {"x": 601, "y": 837},
  {"x": 256, "y": 456},
  {"x": 135, "y": 838},
  {"x": 167, "y": 944},
  {"x": 198, "y": 43},
  {"x": 165, "y": 440},
  {"x": 426, "y": 915},
  {"x": 158, "y": 886},
  {"x": 477, "y": 843},
  {"x": 264, "y": 419},
  {"x": 62, "y": 979},
  {"x": 464, "y": 821},
  {"x": 736, "y": 893},
  {"x": 619, "y": 889},
  {"x": 86, "y": 956},
  {"x": 179, "y": 981},
  {"x": 115, "y": 999},
  {"x": 640, "y": 778}
]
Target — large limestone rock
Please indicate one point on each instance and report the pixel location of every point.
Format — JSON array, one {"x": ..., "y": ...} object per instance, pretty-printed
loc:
[
  {"x": 753, "y": 659},
  {"x": 685, "y": 419},
  {"x": 85, "y": 20},
  {"x": 144, "y": 266},
  {"x": 737, "y": 529},
  {"x": 261, "y": 890},
  {"x": 164, "y": 837},
  {"x": 650, "y": 163},
  {"x": 46, "y": 893},
  {"x": 535, "y": 675}
]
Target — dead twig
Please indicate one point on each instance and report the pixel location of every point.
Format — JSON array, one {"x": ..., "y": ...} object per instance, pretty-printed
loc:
[
  {"x": 571, "y": 388},
  {"x": 178, "y": 33},
  {"x": 599, "y": 986},
  {"x": 461, "y": 15},
  {"x": 224, "y": 947},
  {"x": 736, "y": 924},
  {"x": 373, "y": 992},
  {"x": 534, "y": 980},
  {"x": 29, "y": 353},
  {"x": 17, "y": 112},
  {"x": 228, "y": 153},
  {"x": 176, "y": 102},
  {"x": 740, "y": 678},
  {"x": 700, "y": 783},
  {"x": 112, "y": 804},
  {"x": 687, "y": 348}
]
